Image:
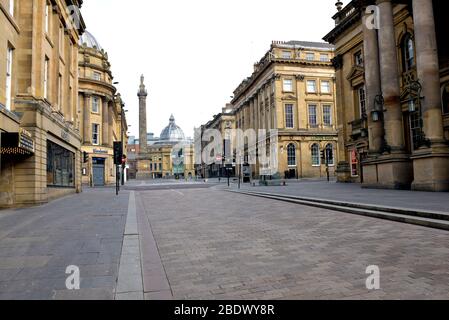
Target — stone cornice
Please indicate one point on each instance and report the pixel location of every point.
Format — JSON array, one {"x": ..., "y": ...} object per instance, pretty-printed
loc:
[
  {"x": 31, "y": 104},
  {"x": 274, "y": 61},
  {"x": 101, "y": 84}
]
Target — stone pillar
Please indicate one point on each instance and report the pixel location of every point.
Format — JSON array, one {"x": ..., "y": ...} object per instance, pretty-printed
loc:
[
  {"x": 105, "y": 121},
  {"x": 392, "y": 169},
  {"x": 373, "y": 86},
  {"x": 86, "y": 119},
  {"x": 431, "y": 165},
  {"x": 428, "y": 69},
  {"x": 142, "y": 94},
  {"x": 390, "y": 78}
]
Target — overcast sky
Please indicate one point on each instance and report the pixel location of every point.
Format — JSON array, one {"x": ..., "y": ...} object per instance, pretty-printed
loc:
[{"x": 194, "y": 53}]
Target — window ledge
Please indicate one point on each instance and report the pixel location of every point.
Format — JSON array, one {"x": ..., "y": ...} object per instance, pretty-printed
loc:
[{"x": 10, "y": 18}]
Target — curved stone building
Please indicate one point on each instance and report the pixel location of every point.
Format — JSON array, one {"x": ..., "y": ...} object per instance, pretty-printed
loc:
[{"x": 101, "y": 115}]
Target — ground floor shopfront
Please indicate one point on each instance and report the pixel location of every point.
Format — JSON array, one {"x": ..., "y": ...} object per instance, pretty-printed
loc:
[
  {"x": 99, "y": 170},
  {"x": 298, "y": 157},
  {"x": 48, "y": 166}
]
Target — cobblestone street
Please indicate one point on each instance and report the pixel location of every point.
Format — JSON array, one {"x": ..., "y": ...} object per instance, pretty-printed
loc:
[
  {"x": 197, "y": 241},
  {"x": 217, "y": 245},
  {"x": 38, "y": 244}
]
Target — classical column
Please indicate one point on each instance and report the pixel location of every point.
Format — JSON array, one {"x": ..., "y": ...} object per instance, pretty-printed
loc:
[
  {"x": 428, "y": 69},
  {"x": 372, "y": 84},
  {"x": 142, "y": 94},
  {"x": 394, "y": 133},
  {"x": 105, "y": 124},
  {"x": 87, "y": 138},
  {"x": 256, "y": 110},
  {"x": 430, "y": 164}
]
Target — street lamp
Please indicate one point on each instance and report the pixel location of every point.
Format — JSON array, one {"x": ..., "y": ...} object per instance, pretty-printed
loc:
[
  {"x": 414, "y": 96},
  {"x": 377, "y": 113}
]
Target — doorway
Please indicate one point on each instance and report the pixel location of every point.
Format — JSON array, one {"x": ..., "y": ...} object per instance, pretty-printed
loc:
[{"x": 98, "y": 174}]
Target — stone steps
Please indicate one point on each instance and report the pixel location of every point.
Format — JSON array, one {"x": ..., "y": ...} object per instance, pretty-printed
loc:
[{"x": 431, "y": 219}]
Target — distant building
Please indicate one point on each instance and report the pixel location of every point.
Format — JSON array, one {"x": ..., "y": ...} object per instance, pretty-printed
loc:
[
  {"x": 221, "y": 122},
  {"x": 171, "y": 155},
  {"x": 292, "y": 90},
  {"x": 102, "y": 115}
]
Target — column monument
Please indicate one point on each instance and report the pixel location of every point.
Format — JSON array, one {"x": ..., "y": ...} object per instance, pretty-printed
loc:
[{"x": 142, "y": 165}]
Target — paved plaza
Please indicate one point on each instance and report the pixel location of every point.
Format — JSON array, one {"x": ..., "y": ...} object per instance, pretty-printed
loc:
[
  {"x": 352, "y": 192},
  {"x": 179, "y": 240}
]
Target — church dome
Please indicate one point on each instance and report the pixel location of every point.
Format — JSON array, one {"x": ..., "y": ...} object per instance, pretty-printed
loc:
[
  {"x": 172, "y": 133},
  {"x": 89, "y": 41}
]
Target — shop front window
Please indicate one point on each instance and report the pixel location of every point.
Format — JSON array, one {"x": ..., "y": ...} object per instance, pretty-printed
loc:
[{"x": 60, "y": 166}]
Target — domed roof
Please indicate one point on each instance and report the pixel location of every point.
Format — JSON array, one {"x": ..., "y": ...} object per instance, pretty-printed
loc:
[
  {"x": 172, "y": 133},
  {"x": 89, "y": 40}
]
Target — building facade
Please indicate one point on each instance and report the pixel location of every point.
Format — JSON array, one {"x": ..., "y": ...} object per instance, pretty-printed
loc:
[
  {"x": 41, "y": 142},
  {"x": 392, "y": 66},
  {"x": 223, "y": 123},
  {"x": 132, "y": 152},
  {"x": 169, "y": 156},
  {"x": 292, "y": 90},
  {"x": 102, "y": 119}
]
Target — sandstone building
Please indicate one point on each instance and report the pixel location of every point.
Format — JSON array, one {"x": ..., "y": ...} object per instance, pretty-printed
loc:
[
  {"x": 101, "y": 114},
  {"x": 40, "y": 137},
  {"x": 222, "y": 122},
  {"x": 392, "y": 66},
  {"x": 292, "y": 90},
  {"x": 169, "y": 156}
]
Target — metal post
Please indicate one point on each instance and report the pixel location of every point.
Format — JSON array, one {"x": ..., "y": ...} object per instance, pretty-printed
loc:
[
  {"x": 117, "y": 180},
  {"x": 240, "y": 175},
  {"x": 122, "y": 127}
]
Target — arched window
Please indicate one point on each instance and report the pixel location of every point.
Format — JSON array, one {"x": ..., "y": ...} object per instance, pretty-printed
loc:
[
  {"x": 330, "y": 154},
  {"x": 316, "y": 155},
  {"x": 291, "y": 154},
  {"x": 408, "y": 52},
  {"x": 445, "y": 99}
]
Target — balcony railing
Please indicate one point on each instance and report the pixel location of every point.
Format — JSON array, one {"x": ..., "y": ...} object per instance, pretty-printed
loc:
[{"x": 346, "y": 12}]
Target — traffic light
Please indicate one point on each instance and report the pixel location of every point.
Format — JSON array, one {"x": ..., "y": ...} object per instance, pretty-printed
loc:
[
  {"x": 85, "y": 157},
  {"x": 118, "y": 153}
]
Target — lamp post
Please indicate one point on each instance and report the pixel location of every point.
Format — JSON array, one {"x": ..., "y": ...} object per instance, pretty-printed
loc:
[
  {"x": 413, "y": 101},
  {"x": 122, "y": 127},
  {"x": 377, "y": 113}
]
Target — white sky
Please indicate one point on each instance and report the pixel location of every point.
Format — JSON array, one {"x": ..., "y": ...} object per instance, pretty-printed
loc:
[{"x": 194, "y": 53}]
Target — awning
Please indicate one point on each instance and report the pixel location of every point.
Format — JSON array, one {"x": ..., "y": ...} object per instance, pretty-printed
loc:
[{"x": 17, "y": 144}]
